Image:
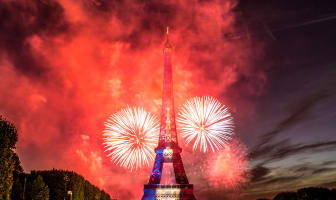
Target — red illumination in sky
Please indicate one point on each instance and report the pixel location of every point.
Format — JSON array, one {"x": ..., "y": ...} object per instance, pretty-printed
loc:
[{"x": 79, "y": 61}]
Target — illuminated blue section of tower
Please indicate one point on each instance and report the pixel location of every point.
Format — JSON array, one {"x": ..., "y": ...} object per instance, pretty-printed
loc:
[{"x": 157, "y": 168}]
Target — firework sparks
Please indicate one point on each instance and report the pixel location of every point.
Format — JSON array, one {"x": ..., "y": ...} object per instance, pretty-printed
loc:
[
  {"x": 228, "y": 168},
  {"x": 130, "y": 137},
  {"x": 206, "y": 122}
]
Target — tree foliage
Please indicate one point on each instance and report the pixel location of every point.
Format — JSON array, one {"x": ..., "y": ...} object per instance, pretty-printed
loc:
[
  {"x": 37, "y": 190},
  {"x": 8, "y": 139},
  {"x": 311, "y": 193},
  {"x": 286, "y": 196},
  {"x": 9, "y": 136},
  {"x": 59, "y": 182},
  {"x": 17, "y": 191}
]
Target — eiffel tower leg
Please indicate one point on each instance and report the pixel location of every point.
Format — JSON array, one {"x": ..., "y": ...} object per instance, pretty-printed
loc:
[
  {"x": 180, "y": 175},
  {"x": 157, "y": 169}
]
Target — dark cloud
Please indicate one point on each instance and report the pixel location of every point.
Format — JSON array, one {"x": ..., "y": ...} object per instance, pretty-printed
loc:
[
  {"x": 281, "y": 180},
  {"x": 299, "y": 112},
  {"x": 104, "y": 6},
  {"x": 284, "y": 149},
  {"x": 301, "y": 168},
  {"x": 312, "y": 169},
  {"x": 290, "y": 150},
  {"x": 289, "y": 179},
  {"x": 271, "y": 184},
  {"x": 301, "y": 92},
  {"x": 152, "y": 18},
  {"x": 19, "y": 22},
  {"x": 259, "y": 173},
  {"x": 329, "y": 184},
  {"x": 323, "y": 170},
  {"x": 265, "y": 150},
  {"x": 329, "y": 162}
]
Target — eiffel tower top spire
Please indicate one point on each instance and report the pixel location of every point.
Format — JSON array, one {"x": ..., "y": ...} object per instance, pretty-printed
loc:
[
  {"x": 167, "y": 45},
  {"x": 168, "y": 135}
]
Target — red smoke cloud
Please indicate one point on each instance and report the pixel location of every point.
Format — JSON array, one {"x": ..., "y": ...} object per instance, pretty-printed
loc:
[
  {"x": 67, "y": 65},
  {"x": 228, "y": 168}
]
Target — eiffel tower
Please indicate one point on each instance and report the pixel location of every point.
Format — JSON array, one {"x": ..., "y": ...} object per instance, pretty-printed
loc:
[{"x": 168, "y": 179}]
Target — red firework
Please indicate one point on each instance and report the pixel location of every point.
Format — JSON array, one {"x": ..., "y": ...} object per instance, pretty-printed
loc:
[{"x": 228, "y": 168}]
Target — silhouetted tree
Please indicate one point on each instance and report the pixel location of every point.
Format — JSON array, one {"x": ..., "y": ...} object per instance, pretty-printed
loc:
[
  {"x": 332, "y": 194},
  {"x": 81, "y": 189},
  {"x": 17, "y": 190},
  {"x": 37, "y": 190},
  {"x": 105, "y": 196},
  {"x": 8, "y": 139},
  {"x": 17, "y": 165},
  {"x": 313, "y": 193},
  {"x": 286, "y": 196}
]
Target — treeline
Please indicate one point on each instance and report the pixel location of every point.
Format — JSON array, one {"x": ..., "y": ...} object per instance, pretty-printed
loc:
[
  {"x": 38, "y": 185},
  {"x": 55, "y": 185},
  {"x": 310, "y": 193}
]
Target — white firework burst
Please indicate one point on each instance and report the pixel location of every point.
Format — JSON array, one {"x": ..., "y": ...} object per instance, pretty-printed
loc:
[
  {"x": 130, "y": 137},
  {"x": 205, "y": 122}
]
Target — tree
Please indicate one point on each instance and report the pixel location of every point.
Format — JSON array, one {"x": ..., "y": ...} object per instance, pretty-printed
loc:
[
  {"x": 17, "y": 190},
  {"x": 37, "y": 190},
  {"x": 9, "y": 136},
  {"x": 313, "y": 193},
  {"x": 105, "y": 196},
  {"x": 332, "y": 194},
  {"x": 286, "y": 196},
  {"x": 58, "y": 186},
  {"x": 17, "y": 165},
  {"x": 8, "y": 139}
]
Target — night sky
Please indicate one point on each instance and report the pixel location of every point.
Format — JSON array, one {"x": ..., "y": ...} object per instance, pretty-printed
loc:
[{"x": 65, "y": 66}]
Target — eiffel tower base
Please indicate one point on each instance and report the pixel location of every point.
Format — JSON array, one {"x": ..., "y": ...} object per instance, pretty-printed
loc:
[{"x": 168, "y": 192}]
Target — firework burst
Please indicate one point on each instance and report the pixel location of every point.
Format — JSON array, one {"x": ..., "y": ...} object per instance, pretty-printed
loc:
[
  {"x": 205, "y": 122},
  {"x": 130, "y": 137},
  {"x": 228, "y": 168}
]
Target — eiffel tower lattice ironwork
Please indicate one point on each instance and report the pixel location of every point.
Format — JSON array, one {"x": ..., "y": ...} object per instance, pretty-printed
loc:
[{"x": 168, "y": 179}]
